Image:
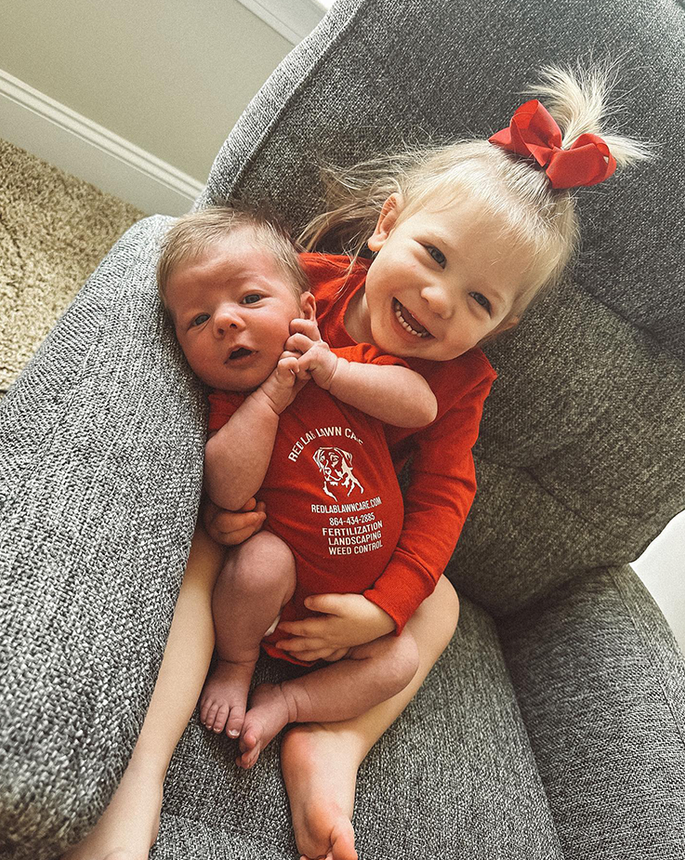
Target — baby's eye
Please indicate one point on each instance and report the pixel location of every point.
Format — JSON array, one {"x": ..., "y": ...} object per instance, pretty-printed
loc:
[
  {"x": 437, "y": 255},
  {"x": 482, "y": 301},
  {"x": 199, "y": 319},
  {"x": 252, "y": 298}
]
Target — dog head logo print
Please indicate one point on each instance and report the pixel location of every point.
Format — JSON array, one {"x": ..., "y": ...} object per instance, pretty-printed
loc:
[{"x": 338, "y": 477}]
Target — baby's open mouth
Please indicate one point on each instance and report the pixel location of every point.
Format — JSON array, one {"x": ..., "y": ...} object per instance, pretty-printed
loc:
[
  {"x": 409, "y": 322},
  {"x": 241, "y": 352}
]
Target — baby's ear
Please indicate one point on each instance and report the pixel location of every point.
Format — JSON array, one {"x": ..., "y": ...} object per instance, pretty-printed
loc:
[{"x": 308, "y": 306}]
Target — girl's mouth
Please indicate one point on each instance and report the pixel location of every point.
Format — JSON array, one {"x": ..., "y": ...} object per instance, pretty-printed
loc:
[{"x": 408, "y": 322}]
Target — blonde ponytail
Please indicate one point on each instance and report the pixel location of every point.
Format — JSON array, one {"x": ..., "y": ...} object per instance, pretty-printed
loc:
[{"x": 578, "y": 102}]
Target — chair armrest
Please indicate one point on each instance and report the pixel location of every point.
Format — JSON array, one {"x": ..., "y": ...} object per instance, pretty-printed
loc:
[
  {"x": 101, "y": 447},
  {"x": 601, "y": 686}
]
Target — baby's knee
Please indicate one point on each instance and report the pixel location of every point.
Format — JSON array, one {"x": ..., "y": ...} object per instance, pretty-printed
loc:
[
  {"x": 403, "y": 661},
  {"x": 260, "y": 564}
]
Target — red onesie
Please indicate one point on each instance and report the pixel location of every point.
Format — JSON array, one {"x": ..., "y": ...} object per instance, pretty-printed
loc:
[{"x": 331, "y": 491}]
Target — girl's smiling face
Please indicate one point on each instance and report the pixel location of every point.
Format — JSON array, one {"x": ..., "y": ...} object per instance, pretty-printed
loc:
[{"x": 442, "y": 280}]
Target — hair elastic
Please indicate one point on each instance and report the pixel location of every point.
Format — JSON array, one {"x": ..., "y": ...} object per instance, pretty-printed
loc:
[{"x": 534, "y": 132}]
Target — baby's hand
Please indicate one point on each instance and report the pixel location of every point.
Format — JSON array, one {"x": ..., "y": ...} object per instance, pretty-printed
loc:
[
  {"x": 316, "y": 357},
  {"x": 282, "y": 384},
  {"x": 233, "y": 527}
]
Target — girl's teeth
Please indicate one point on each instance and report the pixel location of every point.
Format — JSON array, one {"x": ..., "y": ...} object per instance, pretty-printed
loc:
[{"x": 405, "y": 324}]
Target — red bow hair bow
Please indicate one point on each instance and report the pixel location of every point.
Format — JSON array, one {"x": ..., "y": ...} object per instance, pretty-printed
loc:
[{"x": 533, "y": 131}]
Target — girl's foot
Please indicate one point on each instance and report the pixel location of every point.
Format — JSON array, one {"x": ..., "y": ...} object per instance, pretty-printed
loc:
[
  {"x": 320, "y": 773},
  {"x": 224, "y": 697},
  {"x": 129, "y": 825}
]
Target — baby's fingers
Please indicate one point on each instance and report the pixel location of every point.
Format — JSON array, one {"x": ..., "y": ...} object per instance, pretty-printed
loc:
[
  {"x": 309, "y": 328},
  {"x": 299, "y": 343},
  {"x": 287, "y": 371}
]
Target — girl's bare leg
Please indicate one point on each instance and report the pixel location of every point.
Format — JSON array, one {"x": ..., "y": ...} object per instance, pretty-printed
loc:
[
  {"x": 346, "y": 688},
  {"x": 129, "y": 825},
  {"x": 320, "y": 760}
]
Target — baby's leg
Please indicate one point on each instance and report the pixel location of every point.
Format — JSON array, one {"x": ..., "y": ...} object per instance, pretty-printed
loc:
[
  {"x": 257, "y": 580},
  {"x": 369, "y": 674},
  {"x": 320, "y": 760},
  {"x": 129, "y": 825}
]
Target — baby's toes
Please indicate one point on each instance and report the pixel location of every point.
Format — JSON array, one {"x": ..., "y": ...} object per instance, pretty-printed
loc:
[
  {"x": 234, "y": 723},
  {"x": 207, "y": 707},
  {"x": 216, "y": 717}
]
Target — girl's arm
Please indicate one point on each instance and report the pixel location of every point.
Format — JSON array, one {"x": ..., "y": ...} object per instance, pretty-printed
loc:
[
  {"x": 238, "y": 455},
  {"x": 440, "y": 494},
  {"x": 393, "y": 393}
]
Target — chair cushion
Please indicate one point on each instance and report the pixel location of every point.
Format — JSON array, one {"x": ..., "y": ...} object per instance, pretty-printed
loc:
[{"x": 454, "y": 777}]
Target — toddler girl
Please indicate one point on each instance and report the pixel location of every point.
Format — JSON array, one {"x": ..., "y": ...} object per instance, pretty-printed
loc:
[{"x": 465, "y": 237}]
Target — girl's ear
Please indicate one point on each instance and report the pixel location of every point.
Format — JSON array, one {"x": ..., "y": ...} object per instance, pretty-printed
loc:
[
  {"x": 308, "y": 306},
  {"x": 386, "y": 221}
]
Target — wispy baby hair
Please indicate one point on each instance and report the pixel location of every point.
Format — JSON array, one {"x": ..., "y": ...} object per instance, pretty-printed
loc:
[
  {"x": 193, "y": 235},
  {"x": 513, "y": 189}
]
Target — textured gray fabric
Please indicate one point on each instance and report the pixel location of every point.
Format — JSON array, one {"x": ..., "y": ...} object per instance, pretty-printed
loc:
[
  {"x": 462, "y": 732},
  {"x": 100, "y": 473},
  {"x": 580, "y": 464},
  {"x": 601, "y": 685}
]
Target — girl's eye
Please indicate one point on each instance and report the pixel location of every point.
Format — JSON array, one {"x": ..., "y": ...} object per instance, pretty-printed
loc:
[
  {"x": 199, "y": 319},
  {"x": 437, "y": 255},
  {"x": 482, "y": 301},
  {"x": 252, "y": 298}
]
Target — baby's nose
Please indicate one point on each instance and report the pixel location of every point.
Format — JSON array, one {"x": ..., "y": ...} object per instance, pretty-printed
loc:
[{"x": 227, "y": 318}]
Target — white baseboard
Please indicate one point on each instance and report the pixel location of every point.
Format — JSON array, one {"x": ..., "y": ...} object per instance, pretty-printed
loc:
[
  {"x": 293, "y": 20},
  {"x": 35, "y": 122}
]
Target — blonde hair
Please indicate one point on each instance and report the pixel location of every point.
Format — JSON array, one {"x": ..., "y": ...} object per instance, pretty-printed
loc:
[
  {"x": 193, "y": 235},
  {"x": 513, "y": 189}
]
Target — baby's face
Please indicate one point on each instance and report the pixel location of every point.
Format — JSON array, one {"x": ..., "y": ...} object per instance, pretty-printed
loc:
[{"x": 232, "y": 309}]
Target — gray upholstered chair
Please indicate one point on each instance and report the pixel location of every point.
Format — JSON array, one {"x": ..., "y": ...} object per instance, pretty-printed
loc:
[{"x": 553, "y": 726}]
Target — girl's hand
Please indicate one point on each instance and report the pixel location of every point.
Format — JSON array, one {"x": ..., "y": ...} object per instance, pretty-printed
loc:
[
  {"x": 316, "y": 359},
  {"x": 233, "y": 527},
  {"x": 346, "y": 620}
]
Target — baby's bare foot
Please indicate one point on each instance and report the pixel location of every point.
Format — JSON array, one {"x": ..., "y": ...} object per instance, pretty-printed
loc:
[
  {"x": 320, "y": 774},
  {"x": 268, "y": 714},
  {"x": 129, "y": 826},
  {"x": 224, "y": 697}
]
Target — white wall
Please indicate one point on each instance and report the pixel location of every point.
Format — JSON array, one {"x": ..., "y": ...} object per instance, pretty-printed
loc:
[
  {"x": 662, "y": 569},
  {"x": 170, "y": 76}
]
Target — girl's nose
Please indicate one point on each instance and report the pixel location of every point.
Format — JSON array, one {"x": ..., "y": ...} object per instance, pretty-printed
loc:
[
  {"x": 226, "y": 318},
  {"x": 438, "y": 300}
]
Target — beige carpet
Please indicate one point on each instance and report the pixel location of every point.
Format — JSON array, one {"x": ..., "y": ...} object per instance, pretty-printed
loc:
[{"x": 54, "y": 230}]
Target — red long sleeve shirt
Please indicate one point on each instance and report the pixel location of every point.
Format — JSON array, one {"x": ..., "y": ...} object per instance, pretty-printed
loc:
[{"x": 443, "y": 482}]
